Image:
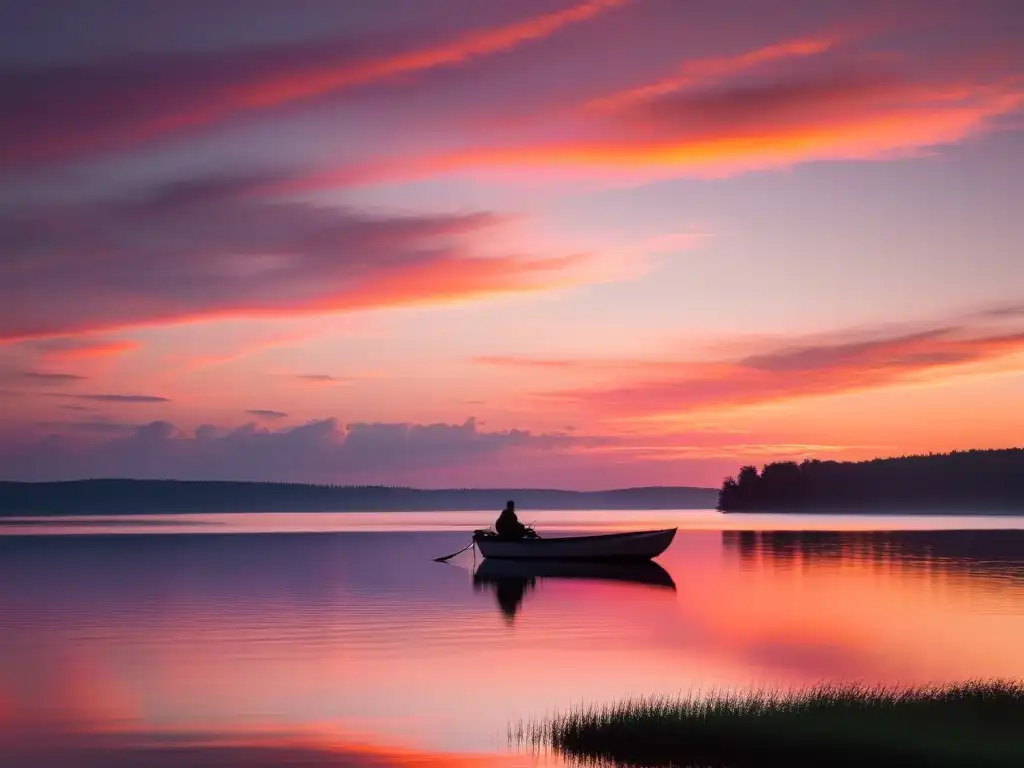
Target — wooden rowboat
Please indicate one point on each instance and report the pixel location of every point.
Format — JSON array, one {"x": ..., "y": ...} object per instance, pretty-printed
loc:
[{"x": 635, "y": 545}]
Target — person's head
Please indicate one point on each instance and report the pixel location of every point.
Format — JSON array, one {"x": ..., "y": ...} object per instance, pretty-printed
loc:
[{"x": 510, "y": 505}]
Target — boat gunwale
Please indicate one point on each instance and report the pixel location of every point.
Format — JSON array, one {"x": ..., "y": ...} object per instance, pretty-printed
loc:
[{"x": 580, "y": 559}]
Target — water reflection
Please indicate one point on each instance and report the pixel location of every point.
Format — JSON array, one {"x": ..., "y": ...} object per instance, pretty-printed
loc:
[
  {"x": 998, "y": 554},
  {"x": 233, "y": 750},
  {"x": 512, "y": 580},
  {"x": 363, "y": 635},
  {"x": 899, "y": 606}
]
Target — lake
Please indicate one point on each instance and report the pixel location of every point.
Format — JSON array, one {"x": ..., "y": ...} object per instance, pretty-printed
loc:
[{"x": 297, "y": 638}]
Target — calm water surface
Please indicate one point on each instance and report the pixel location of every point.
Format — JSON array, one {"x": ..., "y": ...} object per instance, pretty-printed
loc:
[{"x": 337, "y": 634}]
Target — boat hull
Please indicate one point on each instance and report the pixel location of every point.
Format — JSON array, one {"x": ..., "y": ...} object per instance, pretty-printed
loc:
[{"x": 638, "y": 545}]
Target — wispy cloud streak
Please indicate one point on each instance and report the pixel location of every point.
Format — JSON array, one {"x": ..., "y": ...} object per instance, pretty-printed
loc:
[
  {"x": 118, "y": 398},
  {"x": 122, "y": 102},
  {"x": 82, "y": 348},
  {"x": 264, "y": 413},
  {"x": 52, "y": 378},
  {"x": 314, "y": 82},
  {"x": 207, "y": 249},
  {"x": 793, "y": 372},
  {"x": 705, "y": 71},
  {"x": 854, "y": 111}
]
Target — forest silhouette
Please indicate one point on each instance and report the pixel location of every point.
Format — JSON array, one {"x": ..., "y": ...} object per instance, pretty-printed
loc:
[{"x": 967, "y": 482}]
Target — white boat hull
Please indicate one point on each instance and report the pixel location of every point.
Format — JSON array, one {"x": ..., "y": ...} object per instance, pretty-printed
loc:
[{"x": 638, "y": 545}]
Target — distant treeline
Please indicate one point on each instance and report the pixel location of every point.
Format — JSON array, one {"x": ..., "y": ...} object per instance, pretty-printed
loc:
[
  {"x": 967, "y": 482},
  {"x": 114, "y": 497}
]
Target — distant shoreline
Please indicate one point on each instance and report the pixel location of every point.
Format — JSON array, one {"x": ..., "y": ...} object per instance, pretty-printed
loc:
[{"x": 142, "y": 497}]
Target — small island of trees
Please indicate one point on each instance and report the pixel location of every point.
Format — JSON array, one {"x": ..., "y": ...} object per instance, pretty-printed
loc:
[{"x": 966, "y": 482}]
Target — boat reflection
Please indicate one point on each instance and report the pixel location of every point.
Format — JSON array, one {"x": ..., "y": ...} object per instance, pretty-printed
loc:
[{"x": 512, "y": 580}]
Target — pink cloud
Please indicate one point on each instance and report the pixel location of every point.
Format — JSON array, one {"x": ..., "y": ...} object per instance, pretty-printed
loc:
[
  {"x": 123, "y": 102},
  {"x": 207, "y": 249}
]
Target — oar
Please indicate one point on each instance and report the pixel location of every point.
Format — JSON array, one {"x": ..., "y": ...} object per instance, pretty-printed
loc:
[{"x": 453, "y": 554}]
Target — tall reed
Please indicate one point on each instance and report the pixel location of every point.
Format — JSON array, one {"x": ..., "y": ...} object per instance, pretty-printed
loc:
[{"x": 974, "y": 723}]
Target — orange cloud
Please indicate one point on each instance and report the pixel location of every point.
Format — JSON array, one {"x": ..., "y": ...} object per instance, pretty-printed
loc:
[
  {"x": 860, "y": 137},
  {"x": 851, "y": 116},
  {"x": 796, "y": 372},
  {"x": 76, "y": 349},
  {"x": 683, "y": 447},
  {"x": 459, "y": 279}
]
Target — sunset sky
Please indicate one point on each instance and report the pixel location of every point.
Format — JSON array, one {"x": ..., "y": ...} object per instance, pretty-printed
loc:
[{"x": 558, "y": 243}]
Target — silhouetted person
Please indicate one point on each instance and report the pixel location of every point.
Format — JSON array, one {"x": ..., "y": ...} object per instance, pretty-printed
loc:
[{"x": 508, "y": 525}]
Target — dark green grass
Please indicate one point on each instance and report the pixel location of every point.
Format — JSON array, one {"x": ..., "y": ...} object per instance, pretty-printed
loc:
[{"x": 967, "y": 724}]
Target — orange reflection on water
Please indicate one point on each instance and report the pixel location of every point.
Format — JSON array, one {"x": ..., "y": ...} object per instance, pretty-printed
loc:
[
  {"x": 894, "y": 607},
  {"x": 233, "y": 751},
  {"x": 359, "y": 638}
]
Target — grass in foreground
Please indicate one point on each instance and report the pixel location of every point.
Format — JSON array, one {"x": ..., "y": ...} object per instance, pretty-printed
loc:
[{"x": 966, "y": 724}]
